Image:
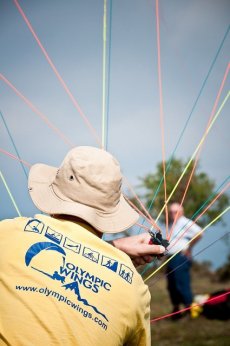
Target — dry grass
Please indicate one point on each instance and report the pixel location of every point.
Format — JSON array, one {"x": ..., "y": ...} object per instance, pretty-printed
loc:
[{"x": 187, "y": 332}]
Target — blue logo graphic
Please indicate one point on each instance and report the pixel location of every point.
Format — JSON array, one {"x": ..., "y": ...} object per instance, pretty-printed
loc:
[
  {"x": 33, "y": 260},
  {"x": 53, "y": 235},
  {"x": 72, "y": 245},
  {"x": 109, "y": 263},
  {"x": 73, "y": 286},
  {"x": 35, "y": 226},
  {"x": 36, "y": 249},
  {"x": 126, "y": 273},
  {"x": 91, "y": 254}
]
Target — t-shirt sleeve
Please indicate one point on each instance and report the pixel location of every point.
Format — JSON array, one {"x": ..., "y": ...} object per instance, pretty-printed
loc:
[{"x": 141, "y": 336}]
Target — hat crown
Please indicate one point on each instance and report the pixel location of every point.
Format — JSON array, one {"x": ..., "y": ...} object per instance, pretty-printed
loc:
[
  {"x": 89, "y": 176},
  {"x": 87, "y": 185}
]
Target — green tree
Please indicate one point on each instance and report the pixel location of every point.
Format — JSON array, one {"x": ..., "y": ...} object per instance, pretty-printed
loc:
[{"x": 201, "y": 189}]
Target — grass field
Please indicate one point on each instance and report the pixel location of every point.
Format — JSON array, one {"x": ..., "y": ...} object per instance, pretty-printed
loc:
[{"x": 187, "y": 331}]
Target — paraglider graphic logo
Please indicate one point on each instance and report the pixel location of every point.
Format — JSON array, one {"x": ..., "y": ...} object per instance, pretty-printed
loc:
[
  {"x": 37, "y": 249},
  {"x": 36, "y": 258}
]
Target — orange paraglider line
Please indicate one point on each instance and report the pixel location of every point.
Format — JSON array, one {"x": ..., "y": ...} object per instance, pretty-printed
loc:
[
  {"x": 64, "y": 85},
  {"x": 198, "y": 153}
]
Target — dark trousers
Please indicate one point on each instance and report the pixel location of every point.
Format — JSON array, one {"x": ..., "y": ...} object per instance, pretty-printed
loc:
[{"x": 179, "y": 282}]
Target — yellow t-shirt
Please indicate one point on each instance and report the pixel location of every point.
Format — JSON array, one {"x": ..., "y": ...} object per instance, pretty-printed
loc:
[{"x": 62, "y": 285}]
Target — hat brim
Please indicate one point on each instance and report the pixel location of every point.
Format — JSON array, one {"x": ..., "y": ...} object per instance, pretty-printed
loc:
[{"x": 43, "y": 196}]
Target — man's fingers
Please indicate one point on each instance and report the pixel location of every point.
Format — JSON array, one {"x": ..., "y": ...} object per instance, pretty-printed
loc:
[
  {"x": 138, "y": 261},
  {"x": 142, "y": 260},
  {"x": 148, "y": 259},
  {"x": 151, "y": 250}
]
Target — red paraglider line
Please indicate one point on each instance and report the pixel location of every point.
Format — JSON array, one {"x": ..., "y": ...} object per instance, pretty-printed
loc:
[{"x": 189, "y": 308}]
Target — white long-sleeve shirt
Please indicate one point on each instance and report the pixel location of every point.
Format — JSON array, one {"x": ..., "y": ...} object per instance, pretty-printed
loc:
[{"x": 184, "y": 230}]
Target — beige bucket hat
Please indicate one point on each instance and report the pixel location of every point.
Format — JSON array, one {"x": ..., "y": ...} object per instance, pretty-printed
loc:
[{"x": 87, "y": 185}]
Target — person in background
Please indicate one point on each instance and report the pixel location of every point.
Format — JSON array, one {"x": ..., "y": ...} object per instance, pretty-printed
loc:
[
  {"x": 60, "y": 283},
  {"x": 178, "y": 268}
]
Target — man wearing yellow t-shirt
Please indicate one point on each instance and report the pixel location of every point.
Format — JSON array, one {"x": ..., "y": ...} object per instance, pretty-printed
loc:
[{"x": 61, "y": 284}]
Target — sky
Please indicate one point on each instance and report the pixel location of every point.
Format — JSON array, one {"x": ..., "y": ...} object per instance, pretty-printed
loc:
[{"x": 71, "y": 32}]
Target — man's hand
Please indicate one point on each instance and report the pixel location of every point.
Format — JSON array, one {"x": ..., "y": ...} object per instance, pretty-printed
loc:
[{"x": 138, "y": 248}]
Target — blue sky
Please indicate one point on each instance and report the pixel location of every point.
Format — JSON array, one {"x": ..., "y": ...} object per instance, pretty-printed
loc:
[{"x": 72, "y": 33}]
